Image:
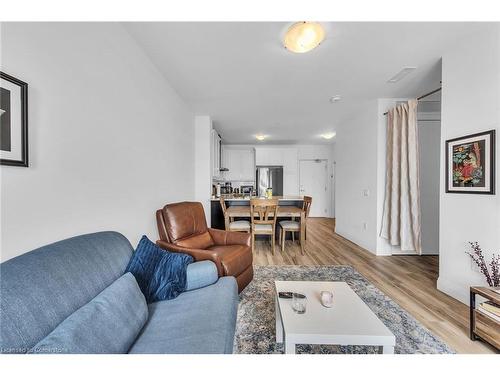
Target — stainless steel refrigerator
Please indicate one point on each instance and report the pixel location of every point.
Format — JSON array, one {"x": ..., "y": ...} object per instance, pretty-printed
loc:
[{"x": 269, "y": 177}]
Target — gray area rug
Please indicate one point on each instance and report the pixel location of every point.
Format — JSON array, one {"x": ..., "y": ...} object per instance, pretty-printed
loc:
[{"x": 255, "y": 329}]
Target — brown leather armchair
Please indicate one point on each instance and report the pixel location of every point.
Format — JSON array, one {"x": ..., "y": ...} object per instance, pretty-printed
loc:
[{"x": 183, "y": 228}]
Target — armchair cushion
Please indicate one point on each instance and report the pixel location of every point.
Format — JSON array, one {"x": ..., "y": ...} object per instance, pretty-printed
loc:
[
  {"x": 161, "y": 275},
  {"x": 222, "y": 237},
  {"x": 184, "y": 219},
  {"x": 198, "y": 241}
]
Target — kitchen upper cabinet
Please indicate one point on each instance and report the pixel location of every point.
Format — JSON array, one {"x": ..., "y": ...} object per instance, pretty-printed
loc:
[
  {"x": 247, "y": 165},
  {"x": 268, "y": 156},
  {"x": 240, "y": 162},
  {"x": 290, "y": 171},
  {"x": 286, "y": 157}
]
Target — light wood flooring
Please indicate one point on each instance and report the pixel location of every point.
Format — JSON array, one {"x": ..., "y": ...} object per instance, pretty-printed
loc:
[{"x": 408, "y": 280}]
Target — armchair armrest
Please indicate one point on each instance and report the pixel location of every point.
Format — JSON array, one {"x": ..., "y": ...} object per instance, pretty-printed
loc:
[
  {"x": 197, "y": 254},
  {"x": 222, "y": 237}
]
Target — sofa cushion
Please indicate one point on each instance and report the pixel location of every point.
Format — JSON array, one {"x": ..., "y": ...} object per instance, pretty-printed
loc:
[
  {"x": 43, "y": 287},
  {"x": 234, "y": 258},
  {"x": 161, "y": 274},
  {"x": 197, "y": 322},
  {"x": 109, "y": 323}
]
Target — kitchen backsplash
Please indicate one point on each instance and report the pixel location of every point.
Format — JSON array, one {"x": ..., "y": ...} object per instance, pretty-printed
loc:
[{"x": 234, "y": 184}]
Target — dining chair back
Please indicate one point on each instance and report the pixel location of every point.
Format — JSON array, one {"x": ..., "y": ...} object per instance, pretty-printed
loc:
[
  {"x": 263, "y": 215},
  {"x": 307, "y": 205},
  {"x": 294, "y": 226},
  {"x": 230, "y": 223}
]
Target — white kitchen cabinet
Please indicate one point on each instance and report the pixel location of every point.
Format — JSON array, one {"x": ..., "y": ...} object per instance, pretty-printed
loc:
[
  {"x": 247, "y": 165},
  {"x": 261, "y": 156},
  {"x": 290, "y": 171},
  {"x": 269, "y": 156},
  {"x": 286, "y": 157},
  {"x": 229, "y": 161},
  {"x": 240, "y": 162}
]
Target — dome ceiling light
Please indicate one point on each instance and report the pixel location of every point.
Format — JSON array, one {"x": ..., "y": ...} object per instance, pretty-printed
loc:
[
  {"x": 328, "y": 135},
  {"x": 261, "y": 137},
  {"x": 303, "y": 36}
]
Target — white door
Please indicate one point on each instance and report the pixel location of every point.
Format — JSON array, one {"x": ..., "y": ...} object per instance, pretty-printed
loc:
[{"x": 313, "y": 182}]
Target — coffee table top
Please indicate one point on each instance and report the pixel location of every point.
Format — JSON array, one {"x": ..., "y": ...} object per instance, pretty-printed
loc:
[{"x": 348, "y": 321}]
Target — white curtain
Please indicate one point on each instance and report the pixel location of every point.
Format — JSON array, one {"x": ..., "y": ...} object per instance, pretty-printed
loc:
[{"x": 401, "y": 218}]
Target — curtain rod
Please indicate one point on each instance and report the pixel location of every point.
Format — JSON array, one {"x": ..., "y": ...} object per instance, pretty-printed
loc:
[{"x": 423, "y": 96}]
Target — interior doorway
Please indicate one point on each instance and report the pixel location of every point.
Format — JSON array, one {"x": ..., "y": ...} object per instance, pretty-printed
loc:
[
  {"x": 429, "y": 135},
  {"x": 313, "y": 181}
]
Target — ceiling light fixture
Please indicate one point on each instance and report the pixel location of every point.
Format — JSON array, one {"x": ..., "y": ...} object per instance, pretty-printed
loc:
[
  {"x": 335, "y": 99},
  {"x": 328, "y": 135},
  {"x": 261, "y": 137},
  {"x": 303, "y": 36},
  {"x": 401, "y": 74}
]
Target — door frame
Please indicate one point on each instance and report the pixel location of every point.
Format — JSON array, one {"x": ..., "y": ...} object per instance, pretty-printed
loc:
[{"x": 327, "y": 196}]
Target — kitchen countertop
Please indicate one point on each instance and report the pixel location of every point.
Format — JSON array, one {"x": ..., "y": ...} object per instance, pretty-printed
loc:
[{"x": 231, "y": 197}]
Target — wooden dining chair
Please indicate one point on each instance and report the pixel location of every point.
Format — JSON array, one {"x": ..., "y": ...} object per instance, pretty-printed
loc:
[
  {"x": 295, "y": 226},
  {"x": 231, "y": 224},
  {"x": 263, "y": 215}
]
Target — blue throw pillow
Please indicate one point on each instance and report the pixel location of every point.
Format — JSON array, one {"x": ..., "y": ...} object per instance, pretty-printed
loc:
[
  {"x": 108, "y": 324},
  {"x": 161, "y": 274}
]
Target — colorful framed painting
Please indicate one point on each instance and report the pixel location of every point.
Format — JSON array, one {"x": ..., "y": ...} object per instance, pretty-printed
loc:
[
  {"x": 13, "y": 121},
  {"x": 470, "y": 164}
]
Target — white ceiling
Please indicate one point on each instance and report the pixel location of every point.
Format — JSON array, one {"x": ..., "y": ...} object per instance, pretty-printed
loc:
[{"x": 241, "y": 75}]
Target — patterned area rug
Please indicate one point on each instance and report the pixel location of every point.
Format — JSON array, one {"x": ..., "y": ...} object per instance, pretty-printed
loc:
[{"x": 255, "y": 326}]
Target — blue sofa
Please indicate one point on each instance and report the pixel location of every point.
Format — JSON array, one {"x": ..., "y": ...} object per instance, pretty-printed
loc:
[{"x": 43, "y": 287}]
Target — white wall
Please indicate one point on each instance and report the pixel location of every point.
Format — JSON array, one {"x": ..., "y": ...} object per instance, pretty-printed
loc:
[
  {"x": 470, "y": 104},
  {"x": 203, "y": 162},
  {"x": 109, "y": 138},
  {"x": 356, "y": 173}
]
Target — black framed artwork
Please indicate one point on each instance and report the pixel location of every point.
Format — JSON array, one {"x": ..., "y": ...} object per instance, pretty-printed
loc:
[
  {"x": 470, "y": 164},
  {"x": 13, "y": 121}
]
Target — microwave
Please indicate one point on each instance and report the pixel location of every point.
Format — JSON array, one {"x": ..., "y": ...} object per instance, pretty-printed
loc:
[{"x": 246, "y": 189}]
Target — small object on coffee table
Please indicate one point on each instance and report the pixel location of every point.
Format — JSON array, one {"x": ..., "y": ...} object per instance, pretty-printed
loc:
[
  {"x": 326, "y": 298},
  {"x": 299, "y": 303}
]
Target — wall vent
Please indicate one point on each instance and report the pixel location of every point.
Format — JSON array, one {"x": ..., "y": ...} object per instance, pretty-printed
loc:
[{"x": 402, "y": 74}]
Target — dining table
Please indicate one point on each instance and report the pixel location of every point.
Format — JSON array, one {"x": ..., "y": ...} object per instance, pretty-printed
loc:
[{"x": 292, "y": 212}]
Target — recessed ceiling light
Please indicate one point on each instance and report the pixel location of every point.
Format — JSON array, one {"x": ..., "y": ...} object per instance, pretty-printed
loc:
[
  {"x": 328, "y": 135},
  {"x": 335, "y": 99},
  {"x": 261, "y": 137},
  {"x": 401, "y": 74},
  {"x": 303, "y": 36}
]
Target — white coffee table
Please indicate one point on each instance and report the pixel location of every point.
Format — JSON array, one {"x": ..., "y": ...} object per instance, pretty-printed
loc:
[{"x": 349, "y": 322}]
